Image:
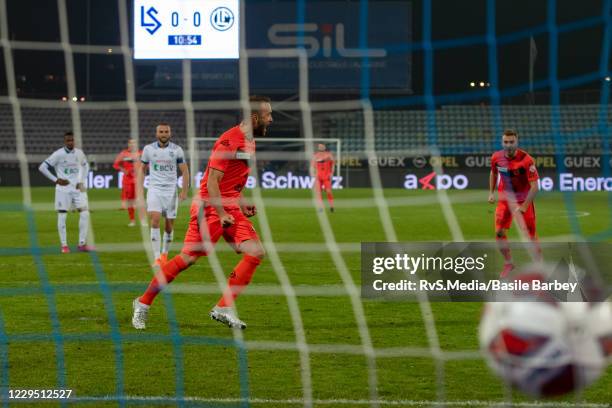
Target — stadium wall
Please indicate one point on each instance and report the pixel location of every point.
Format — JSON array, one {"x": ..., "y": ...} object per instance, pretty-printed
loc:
[{"x": 459, "y": 172}]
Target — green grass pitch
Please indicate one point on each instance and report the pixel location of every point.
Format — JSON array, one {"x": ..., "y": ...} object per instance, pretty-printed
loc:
[{"x": 89, "y": 291}]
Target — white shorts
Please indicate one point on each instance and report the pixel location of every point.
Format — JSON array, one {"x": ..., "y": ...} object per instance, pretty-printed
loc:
[
  {"x": 165, "y": 203},
  {"x": 71, "y": 199}
]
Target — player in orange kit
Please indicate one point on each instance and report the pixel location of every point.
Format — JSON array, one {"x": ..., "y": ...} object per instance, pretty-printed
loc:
[
  {"x": 323, "y": 166},
  {"x": 518, "y": 186},
  {"x": 125, "y": 162},
  {"x": 220, "y": 210}
]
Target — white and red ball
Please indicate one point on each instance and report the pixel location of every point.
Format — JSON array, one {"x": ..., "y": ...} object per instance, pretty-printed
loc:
[{"x": 547, "y": 348}]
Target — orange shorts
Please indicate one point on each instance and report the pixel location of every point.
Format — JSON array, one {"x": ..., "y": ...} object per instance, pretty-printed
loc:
[
  {"x": 503, "y": 217},
  {"x": 205, "y": 227},
  {"x": 324, "y": 183},
  {"x": 128, "y": 192}
]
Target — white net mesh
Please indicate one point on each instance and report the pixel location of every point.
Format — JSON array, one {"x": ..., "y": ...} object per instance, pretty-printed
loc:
[{"x": 101, "y": 128}]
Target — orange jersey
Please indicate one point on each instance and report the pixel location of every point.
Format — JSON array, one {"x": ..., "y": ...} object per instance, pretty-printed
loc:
[
  {"x": 125, "y": 162},
  {"x": 323, "y": 163},
  {"x": 516, "y": 174},
  {"x": 230, "y": 154}
]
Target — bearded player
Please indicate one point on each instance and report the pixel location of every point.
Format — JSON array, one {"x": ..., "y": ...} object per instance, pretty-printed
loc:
[
  {"x": 518, "y": 186},
  {"x": 323, "y": 166},
  {"x": 163, "y": 158},
  {"x": 220, "y": 210},
  {"x": 125, "y": 162}
]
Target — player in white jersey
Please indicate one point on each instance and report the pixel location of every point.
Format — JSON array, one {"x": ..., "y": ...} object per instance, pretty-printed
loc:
[
  {"x": 71, "y": 170},
  {"x": 162, "y": 158}
]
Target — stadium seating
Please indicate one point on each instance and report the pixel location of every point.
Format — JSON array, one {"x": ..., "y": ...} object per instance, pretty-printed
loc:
[
  {"x": 470, "y": 129},
  {"x": 456, "y": 128}
]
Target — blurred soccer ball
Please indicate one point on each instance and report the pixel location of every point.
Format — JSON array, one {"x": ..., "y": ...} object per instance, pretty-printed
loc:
[{"x": 547, "y": 348}]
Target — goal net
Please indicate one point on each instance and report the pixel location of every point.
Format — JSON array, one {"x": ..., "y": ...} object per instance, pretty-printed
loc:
[
  {"x": 410, "y": 167},
  {"x": 281, "y": 163}
]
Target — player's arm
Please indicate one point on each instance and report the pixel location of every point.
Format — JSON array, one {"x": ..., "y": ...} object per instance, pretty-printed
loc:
[
  {"x": 118, "y": 162},
  {"x": 533, "y": 190},
  {"x": 83, "y": 172},
  {"x": 492, "y": 182},
  {"x": 214, "y": 196},
  {"x": 44, "y": 168},
  {"x": 247, "y": 207},
  {"x": 185, "y": 180},
  {"x": 532, "y": 177},
  {"x": 140, "y": 172},
  {"x": 140, "y": 175}
]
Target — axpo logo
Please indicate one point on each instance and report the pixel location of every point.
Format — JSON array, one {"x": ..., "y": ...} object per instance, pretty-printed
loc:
[
  {"x": 434, "y": 181},
  {"x": 319, "y": 37}
]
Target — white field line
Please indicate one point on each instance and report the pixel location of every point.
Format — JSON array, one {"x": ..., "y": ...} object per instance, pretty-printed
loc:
[{"x": 355, "y": 402}]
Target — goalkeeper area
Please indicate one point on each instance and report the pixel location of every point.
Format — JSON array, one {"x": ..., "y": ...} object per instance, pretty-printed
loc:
[{"x": 409, "y": 109}]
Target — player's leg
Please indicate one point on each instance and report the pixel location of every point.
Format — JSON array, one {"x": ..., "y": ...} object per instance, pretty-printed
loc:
[
  {"x": 503, "y": 220},
  {"x": 61, "y": 229},
  {"x": 155, "y": 217},
  {"x": 81, "y": 203},
  {"x": 330, "y": 195},
  {"x": 244, "y": 239},
  {"x": 62, "y": 205},
  {"x": 529, "y": 218},
  {"x": 124, "y": 197},
  {"x": 252, "y": 254},
  {"x": 128, "y": 196},
  {"x": 167, "y": 239},
  {"x": 164, "y": 275},
  {"x": 193, "y": 248},
  {"x": 171, "y": 210},
  {"x": 317, "y": 187},
  {"x": 154, "y": 208}
]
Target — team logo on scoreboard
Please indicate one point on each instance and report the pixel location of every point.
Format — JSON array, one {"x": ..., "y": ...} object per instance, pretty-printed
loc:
[
  {"x": 222, "y": 19},
  {"x": 153, "y": 24}
]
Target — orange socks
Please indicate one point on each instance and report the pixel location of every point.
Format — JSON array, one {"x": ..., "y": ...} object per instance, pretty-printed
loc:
[
  {"x": 168, "y": 272},
  {"x": 239, "y": 279},
  {"x": 330, "y": 197}
]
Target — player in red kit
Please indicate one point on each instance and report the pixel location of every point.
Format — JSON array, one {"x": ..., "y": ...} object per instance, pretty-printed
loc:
[
  {"x": 518, "y": 186},
  {"x": 323, "y": 165},
  {"x": 125, "y": 162},
  {"x": 220, "y": 210}
]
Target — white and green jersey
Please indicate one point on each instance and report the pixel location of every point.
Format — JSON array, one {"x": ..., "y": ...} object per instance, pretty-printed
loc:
[
  {"x": 70, "y": 165},
  {"x": 163, "y": 163}
]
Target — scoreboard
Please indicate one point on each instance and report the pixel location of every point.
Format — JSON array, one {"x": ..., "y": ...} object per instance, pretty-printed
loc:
[{"x": 186, "y": 29}]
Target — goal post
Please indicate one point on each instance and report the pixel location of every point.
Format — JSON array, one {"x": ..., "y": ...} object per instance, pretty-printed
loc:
[{"x": 288, "y": 150}]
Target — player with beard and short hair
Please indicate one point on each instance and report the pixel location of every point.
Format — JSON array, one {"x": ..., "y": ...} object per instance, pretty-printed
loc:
[
  {"x": 163, "y": 158},
  {"x": 518, "y": 186},
  {"x": 220, "y": 210}
]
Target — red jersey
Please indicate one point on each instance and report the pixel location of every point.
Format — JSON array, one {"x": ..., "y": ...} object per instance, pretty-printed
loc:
[
  {"x": 125, "y": 163},
  {"x": 515, "y": 174},
  {"x": 230, "y": 154},
  {"x": 323, "y": 162}
]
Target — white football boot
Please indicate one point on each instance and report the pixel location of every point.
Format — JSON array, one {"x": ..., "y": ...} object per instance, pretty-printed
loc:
[
  {"x": 139, "y": 318},
  {"x": 226, "y": 316}
]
